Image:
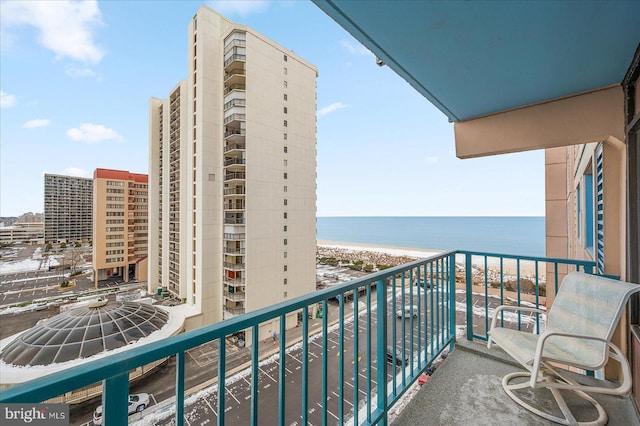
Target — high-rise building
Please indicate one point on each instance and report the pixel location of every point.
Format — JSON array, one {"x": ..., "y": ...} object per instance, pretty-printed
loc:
[
  {"x": 67, "y": 208},
  {"x": 233, "y": 175},
  {"x": 120, "y": 225}
]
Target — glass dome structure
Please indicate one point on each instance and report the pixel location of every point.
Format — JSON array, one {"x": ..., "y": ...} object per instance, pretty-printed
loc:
[{"x": 83, "y": 332}]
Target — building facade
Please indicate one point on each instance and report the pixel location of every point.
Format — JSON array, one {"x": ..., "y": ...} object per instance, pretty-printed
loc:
[
  {"x": 120, "y": 225},
  {"x": 233, "y": 175},
  {"x": 22, "y": 232},
  {"x": 67, "y": 208}
]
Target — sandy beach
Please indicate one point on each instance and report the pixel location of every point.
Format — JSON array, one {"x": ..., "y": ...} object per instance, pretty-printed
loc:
[
  {"x": 527, "y": 268},
  {"x": 393, "y": 256}
]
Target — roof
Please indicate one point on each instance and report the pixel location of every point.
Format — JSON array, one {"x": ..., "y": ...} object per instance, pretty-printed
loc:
[
  {"x": 472, "y": 59},
  {"x": 120, "y": 175}
]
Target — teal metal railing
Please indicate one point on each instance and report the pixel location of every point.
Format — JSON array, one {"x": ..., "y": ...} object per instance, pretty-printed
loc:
[
  {"x": 406, "y": 319},
  {"x": 392, "y": 325},
  {"x": 497, "y": 279}
]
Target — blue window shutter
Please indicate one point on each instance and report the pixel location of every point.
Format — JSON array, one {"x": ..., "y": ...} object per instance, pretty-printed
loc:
[{"x": 599, "y": 212}]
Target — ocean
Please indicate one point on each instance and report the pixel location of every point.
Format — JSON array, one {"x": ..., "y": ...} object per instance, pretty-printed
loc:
[{"x": 505, "y": 235}]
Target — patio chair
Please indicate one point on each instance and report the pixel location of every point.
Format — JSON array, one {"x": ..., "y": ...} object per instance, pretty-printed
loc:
[{"x": 578, "y": 333}]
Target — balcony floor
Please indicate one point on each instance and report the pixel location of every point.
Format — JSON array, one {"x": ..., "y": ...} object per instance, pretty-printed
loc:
[{"x": 467, "y": 390}]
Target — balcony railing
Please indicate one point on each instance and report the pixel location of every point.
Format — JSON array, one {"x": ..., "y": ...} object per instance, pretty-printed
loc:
[
  {"x": 411, "y": 307},
  {"x": 235, "y": 117},
  {"x": 238, "y": 190},
  {"x": 235, "y": 57},
  {"x": 236, "y": 297},
  {"x": 231, "y": 132},
  {"x": 232, "y": 236},
  {"x": 235, "y": 175}
]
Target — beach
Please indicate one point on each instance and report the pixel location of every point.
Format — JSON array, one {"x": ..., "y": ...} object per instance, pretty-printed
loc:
[
  {"x": 394, "y": 256},
  {"x": 380, "y": 257}
]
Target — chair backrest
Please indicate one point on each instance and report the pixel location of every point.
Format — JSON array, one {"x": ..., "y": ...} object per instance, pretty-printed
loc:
[{"x": 589, "y": 305}]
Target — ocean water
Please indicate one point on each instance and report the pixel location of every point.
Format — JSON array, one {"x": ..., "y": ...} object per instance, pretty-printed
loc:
[{"x": 505, "y": 235}]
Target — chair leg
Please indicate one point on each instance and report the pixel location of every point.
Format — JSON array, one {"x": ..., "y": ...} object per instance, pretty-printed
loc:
[{"x": 568, "y": 418}]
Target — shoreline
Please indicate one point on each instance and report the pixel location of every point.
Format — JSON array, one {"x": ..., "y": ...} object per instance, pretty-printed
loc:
[{"x": 527, "y": 268}]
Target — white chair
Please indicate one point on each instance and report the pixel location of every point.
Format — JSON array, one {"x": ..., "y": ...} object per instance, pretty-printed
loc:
[{"x": 578, "y": 333}]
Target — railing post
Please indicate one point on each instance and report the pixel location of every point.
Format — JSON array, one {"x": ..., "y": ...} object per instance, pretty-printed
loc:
[
  {"x": 381, "y": 348},
  {"x": 452, "y": 299},
  {"x": 115, "y": 400},
  {"x": 469, "y": 295},
  {"x": 180, "y": 388}
]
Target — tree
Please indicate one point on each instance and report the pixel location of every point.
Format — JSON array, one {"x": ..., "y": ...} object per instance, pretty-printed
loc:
[{"x": 63, "y": 245}]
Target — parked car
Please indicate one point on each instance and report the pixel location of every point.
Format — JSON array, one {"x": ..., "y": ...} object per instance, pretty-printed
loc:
[
  {"x": 137, "y": 403},
  {"x": 398, "y": 353},
  {"x": 408, "y": 311},
  {"x": 424, "y": 284}
]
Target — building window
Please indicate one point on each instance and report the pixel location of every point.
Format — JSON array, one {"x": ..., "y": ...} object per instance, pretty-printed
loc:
[
  {"x": 285, "y": 175},
  {"x": 285, "y": 70},
  {"x": 285, "y": 96},
  {"x": 285, "y": 230},
  {"x": 285, "y": 215},
  {"x": 285, "y": 188},
  {"x": 285, "y": 149},
  {"x": 285, "y": 163},
  {"x": 285, "y": 268},
  {"x": 285, "y": 83},
  {"x": 285, "y": 294},
  {"x": 285, "y": 136},
  {"x": 284, "y": 110},
  {"x": 285, "y": 281},
  {"x": 285, "y": 201},
  {"x": 285, "y": 58},
  {"x": 285, "y": 123},
  {"x": 285, "y": 241},
  {"x": 285, "y": 254}
]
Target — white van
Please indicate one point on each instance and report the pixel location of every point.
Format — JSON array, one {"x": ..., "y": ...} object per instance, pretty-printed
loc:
[{"x": 407, "y": 311}]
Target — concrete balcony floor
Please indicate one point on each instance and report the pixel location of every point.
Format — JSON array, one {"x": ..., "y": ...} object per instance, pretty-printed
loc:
[{"x": 467, "y": 390}]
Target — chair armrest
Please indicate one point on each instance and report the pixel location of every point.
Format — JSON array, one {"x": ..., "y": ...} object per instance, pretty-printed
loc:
[
  {"x": 510, "y": 308},
  {"x": 537, "y": 359}
]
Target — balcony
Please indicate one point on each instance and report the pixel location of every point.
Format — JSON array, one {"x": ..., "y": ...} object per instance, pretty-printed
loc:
[
  {"x": 238, "y": 190},
  {"x": 236, "y": 297},
  {"x": 450, "y": 297},
  {"x": 234, "y": 176},
  {"x": 234, "y": 236},
  {"x": 235, "y": 146},
  {"x": 234, "y": 77},
  {"x": 231, "y": 119},
  {"x": 235, "y": 61}
]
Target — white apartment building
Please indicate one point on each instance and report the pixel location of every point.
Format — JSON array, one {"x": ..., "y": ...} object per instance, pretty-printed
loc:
[{"x": 232, "y": 175}]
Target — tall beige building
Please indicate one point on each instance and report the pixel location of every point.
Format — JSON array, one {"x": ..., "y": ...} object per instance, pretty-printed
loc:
[
  {"x": 233, "y": 175},
  {"x": 120, "y": 225}
]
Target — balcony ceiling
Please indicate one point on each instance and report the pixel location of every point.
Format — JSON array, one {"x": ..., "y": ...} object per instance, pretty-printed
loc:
[{"x": 472, "y": 59}]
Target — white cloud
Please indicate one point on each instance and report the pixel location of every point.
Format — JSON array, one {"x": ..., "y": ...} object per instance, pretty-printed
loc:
[
  {"x": 93, "y": 133},
  {"x": 81, "y": 72},
  {"x": 65, "y": 27},
  {"x": 242, "y": 8},
  {"x": 7, "y": 100},
  {"x": 432, "y": 159},
  {"x": 355, "y": 48},
  {"x": 75, "y": 171},
  {"x": 39, "y": 122},
  {"x": 330, "y": 108}
]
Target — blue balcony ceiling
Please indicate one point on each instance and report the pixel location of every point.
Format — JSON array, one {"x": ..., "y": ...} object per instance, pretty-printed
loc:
[{"x": 472, "y": 59}]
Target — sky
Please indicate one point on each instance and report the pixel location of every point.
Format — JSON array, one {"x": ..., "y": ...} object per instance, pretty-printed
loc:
[{"x": 76, "y": 78}]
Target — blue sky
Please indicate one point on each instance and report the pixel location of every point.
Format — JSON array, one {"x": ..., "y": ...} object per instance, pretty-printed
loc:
[{"x": 76, "y": 78}]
